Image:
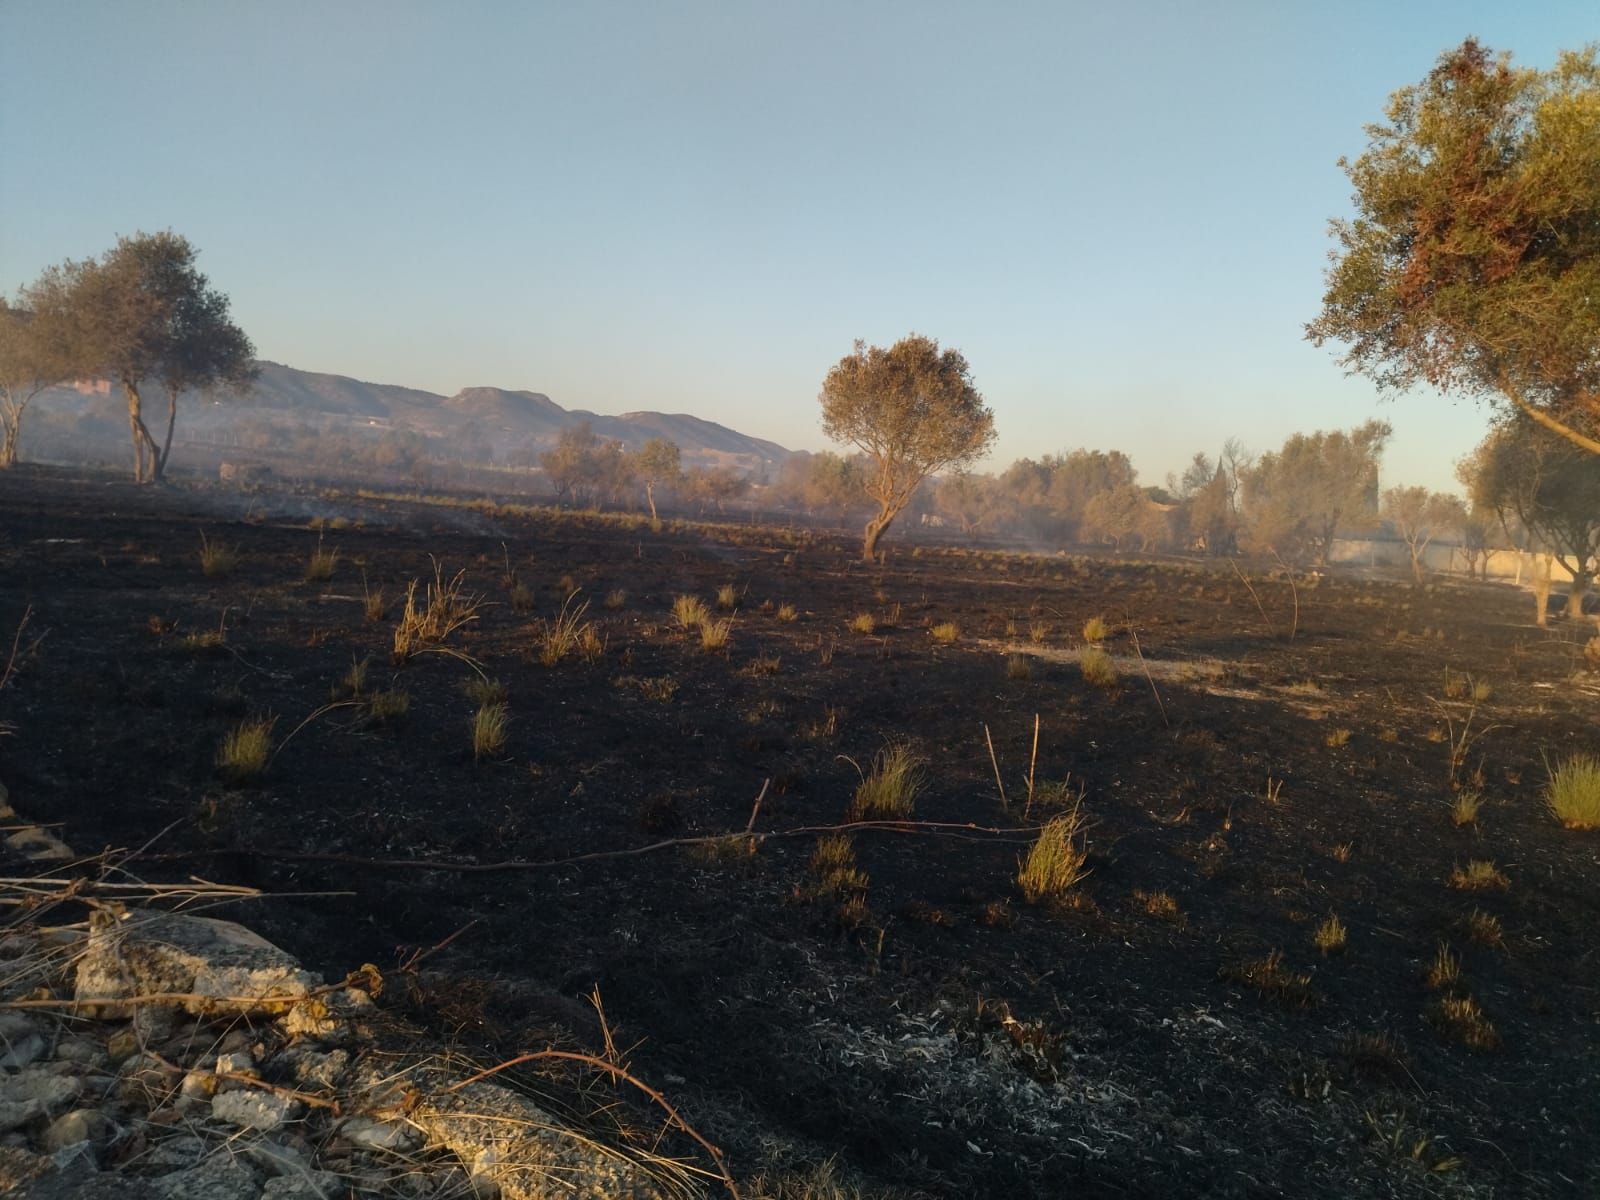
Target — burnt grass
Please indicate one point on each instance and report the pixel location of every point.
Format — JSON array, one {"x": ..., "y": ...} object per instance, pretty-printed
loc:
[{"x": 944, "y": 1037}]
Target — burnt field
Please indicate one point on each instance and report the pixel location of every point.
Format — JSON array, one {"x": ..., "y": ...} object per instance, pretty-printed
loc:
[{"x": 1186, "y": 1018}]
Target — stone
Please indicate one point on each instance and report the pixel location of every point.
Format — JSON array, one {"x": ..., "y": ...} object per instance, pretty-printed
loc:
[
  {"x": 220, "y": 1177},
  {"x": 198, "y": 1086},
  {"x": 254, "y": 1109},
  {"x": 236, "y": 1064},
  {"x": 313, "y": 1185},
  {"x": 314, "y": 1068},
  {"x": 38, "y": 845},
  {"x": 122, "y": 1046},
  {"x": 180, "y": 1152},
  {"x": 82, "y": 1183},
  {"x": 384, "y": 1137},
  {"x": 52, "y": 1092},
  {"x": 217, "y": 966},
  {"x": 80, "y": 1125},
  {"x": 83, "y": 1051},
  {"x": 279, "y": 1158},
  {"x": 19, "y": 1112},
  {"x": 22, "y": 1052}
]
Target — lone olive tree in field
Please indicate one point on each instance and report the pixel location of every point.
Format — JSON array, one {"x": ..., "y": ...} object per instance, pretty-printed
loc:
[
  {"x": 1473, "y": 260},
  {"x": 1419, "y": 516},
  {"x": 658, "y": 462},
  {"x": 143, "y": 313},
  {"x": 912, "y": 411},
  {"x": 1527, "y": 474},
  {"x": 32, "y": 357}
]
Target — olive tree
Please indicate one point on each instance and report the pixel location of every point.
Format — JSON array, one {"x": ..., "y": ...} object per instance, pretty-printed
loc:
[
  {"x": 1298, "y": 497},
  {"x": 911, "y": 410},
  {"x": 33, "y": 356},
  {"x": 1528, "y": 474},
  {"x": 1473, "y": 260},
  {"x": 1419, "y": 516},
  {"x": 143, "y": 313},
  {"x": 658, "y": 462}
]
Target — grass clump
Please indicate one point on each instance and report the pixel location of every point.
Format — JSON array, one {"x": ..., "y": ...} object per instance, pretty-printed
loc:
[
  {"x": 690, "y": 612},
  {"x": 1039, "y": 632},
  {"x": 445, "y": 607},
  {"x": 374, "y": 607},
  {"x": 388, "y": 706},
  {"x": 864, "y": 622},
  {"x": 1445, "y": 969},
  {"x": 889, "y": 790},
  {"x": 217, "y": 559},
  {"x": 727, "y": 597},
  {"x": 615, "y": 599},
  {"x": 1337, "y": 737},
  {"x": 1095, "y": 631},
  {"x": 319, "y": 567},
  {"x": 1054, "y": 864},
  {"x": 787, "y": 613},
  {"x": 568, "y": 633},
  {"x": 1485, "y": 929},
  {"x": 245, "y": 749},
  {"x": 481, "y": 690},
  {"x": 1097, "y": 668},
  {"x": 1459, "y": 1017},
  {"x": 1018, "y": 666},
  {"x": 1464, "y": 809},
  {"x": 1331, "y": 935},
  {"x": 522, "y": 599},
  {"x": 1573, "y": 792},
  {"x": 1273, "y": 981},
  {"x": 489, "y": 725},
  {"x": 1159, "y": 906},
  {"x": 1479, "y": 875},
  {"x": 945, "y": 632},
  {"x": 715, "y": 635}
]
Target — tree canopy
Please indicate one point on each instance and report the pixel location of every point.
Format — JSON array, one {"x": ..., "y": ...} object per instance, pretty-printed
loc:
[
  {"x": 33, "y": 356},
  {"x": 1300, "y": 496},
  {"x": 912, "y": 411},
  {"x": 1473, "y": 260}
]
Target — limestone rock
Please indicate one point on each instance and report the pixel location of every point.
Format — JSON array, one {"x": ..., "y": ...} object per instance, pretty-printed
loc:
[
  {"x": 313, "y": 1185},
  {"x": 220, "y": 1177},
  {"x": 253, "y": 1109},
  {"x": 218, "y": 965},
  {"x": 22, "y": 1051},
  {"x": 52, "y": 1092},
  {"x": 36, "y": 845},
  {"x": 386, "y": 1137},
  {"x": 19, "y": 1112},
  {"x": 80, "y": 1125}
]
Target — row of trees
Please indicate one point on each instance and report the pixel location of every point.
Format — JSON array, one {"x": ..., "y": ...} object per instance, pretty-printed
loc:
[
  {"x": 585, "y": 470},
  {"x": 142, "y": 314}
]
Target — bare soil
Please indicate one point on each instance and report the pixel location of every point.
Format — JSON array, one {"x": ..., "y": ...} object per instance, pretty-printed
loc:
[{"x": 945, "y": 1038}]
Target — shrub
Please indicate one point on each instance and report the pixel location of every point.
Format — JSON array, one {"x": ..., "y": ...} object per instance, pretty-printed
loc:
[
  {"x": 1573, "y": 792},
  {"x": 217, "y": 560},
  {"x": 1055, "y": 863},
  {"x": 246, "y": 748},
  {"x": 489, "y": 729},
  {"x": 945, "y": 633},
  {"x": 1097, "y": 667},
  {"x": 1095, "y": 631},
  {"x": 690, "y": 612},
  {"x": 889, "y": 789}
]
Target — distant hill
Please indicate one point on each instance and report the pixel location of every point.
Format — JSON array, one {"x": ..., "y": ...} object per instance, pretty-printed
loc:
[{"x": 513, "y": 426}]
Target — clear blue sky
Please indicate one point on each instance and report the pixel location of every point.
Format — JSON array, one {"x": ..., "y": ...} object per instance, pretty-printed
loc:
[{"x": 1116, "y": 211}]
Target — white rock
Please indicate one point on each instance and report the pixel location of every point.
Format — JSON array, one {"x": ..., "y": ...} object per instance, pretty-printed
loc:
[
  {"x": 253, "y": 1109},
  {"x": 388, "y": 1137},
  {"x": 220, "y": 1177}
]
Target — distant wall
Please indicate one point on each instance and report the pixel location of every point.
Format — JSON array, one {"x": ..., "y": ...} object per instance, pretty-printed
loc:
[{"x": 1518, "y": 566}]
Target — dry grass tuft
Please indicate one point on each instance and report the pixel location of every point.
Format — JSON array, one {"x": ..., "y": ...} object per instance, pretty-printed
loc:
[
  {"x": 1097, "y": 667},
  {"x": 945, "y": 632},
  {"x": 1459, "y": 1017},
  {"x": 568, "y": 633},
  {"x": 1275, "y": 982},
  {"x": 481, "y": 690},
  {"x": 727, "y": 597},
  {"x": 1573, "y": 792},
  {"x": 690, "y": 612},
  {"x": 217, "y": 559},
  {"x": 1337, "y": 737},
  {"x": 1159, "y": 906},
  {"x": 1056, "y": 863},
  {"x": 1464, "y": 809},
  {"x": 787, "y": 613},
  {"x": 889, "y": 790},
  {"x": 446, "y": 607},
  {"x": 489, "y": 726},
  {"x": 864, "y": 622},
  {"x": 1445, "y": 968},
  {"x": 1479, "y": 875},
  {"x": 319, "y": 567},
  {"x": 1019, "y": 666},
  {"x": 715, "y": 635},
  {"x": 1095, "y": 631},
  {"x": 1485, "y": 929},
  {"x": 1330, "y": 936},
  {"x": 387, "y": 707},
  {"x": 245, "y": 749}
]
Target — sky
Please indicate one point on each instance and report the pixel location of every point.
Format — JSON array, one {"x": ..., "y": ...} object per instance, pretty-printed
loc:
[{"x": 1117, "y": 212}]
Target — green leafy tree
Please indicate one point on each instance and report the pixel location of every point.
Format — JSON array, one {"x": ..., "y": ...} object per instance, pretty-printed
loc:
[
  {"x": 658, "y": 463},
  {"x": 34, "y": 355},
  {"x": 143, "y": 313},
  {"x": 1473, "y": 260},
  {"x": 1529, "y": 475},
  {"x": 1297, "y": 498},
  {"x": 1419, "y": 516},
  {"x": 911, "y": 410}
]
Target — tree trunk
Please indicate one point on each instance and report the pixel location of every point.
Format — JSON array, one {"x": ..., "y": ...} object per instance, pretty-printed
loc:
[
  {"x": 166, "y": 445},
  {"x": 874, "y": 531},
  {"x": 141, "y": 435},
  {"x": 8, "y": 441},
  {"x": 1580, "y": 588},
  {"x": 1541, "y": 594},
  {"x": 650, "y": 495},
  {"x": 1416, "y": 563}
]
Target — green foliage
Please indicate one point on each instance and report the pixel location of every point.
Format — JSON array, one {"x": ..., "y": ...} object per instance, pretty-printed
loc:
[
  {"x": 1473, "y": 260},
  {"x": 1573, "y": 792},
  {"x": 912, "y": 411},
  {"x": 246, "y": 748},
  {"x": 889, "y": 790},
  {"x": 1056, "y": 862}
]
